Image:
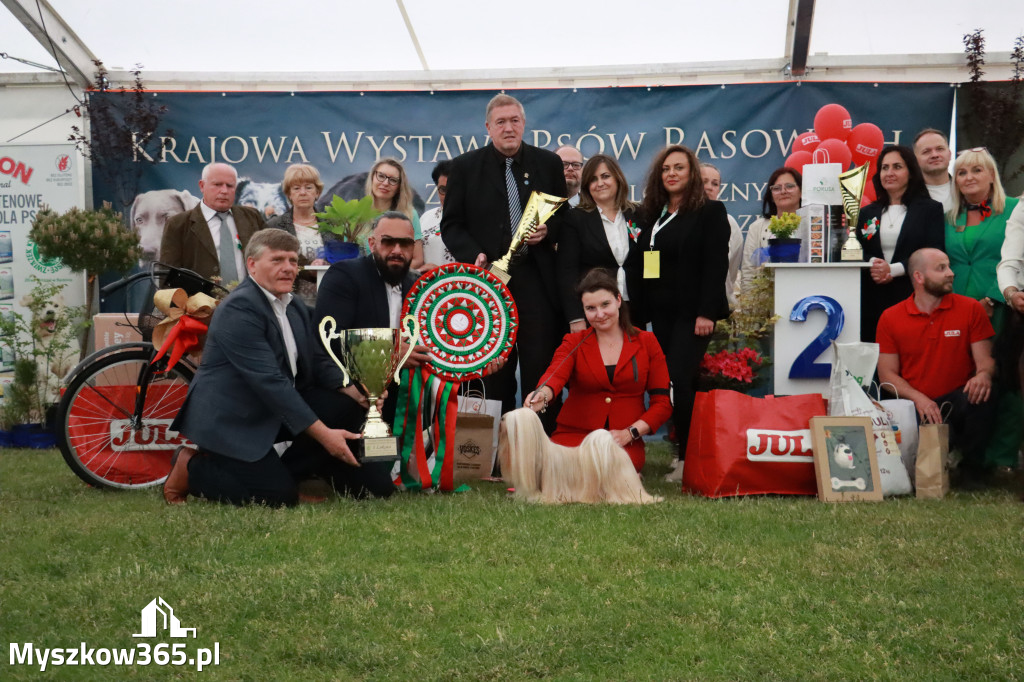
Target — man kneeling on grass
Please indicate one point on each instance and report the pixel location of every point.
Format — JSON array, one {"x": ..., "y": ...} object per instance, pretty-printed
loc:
[
  {"x": 936, "y": 348},
  {"x": 264, "y": 401}
]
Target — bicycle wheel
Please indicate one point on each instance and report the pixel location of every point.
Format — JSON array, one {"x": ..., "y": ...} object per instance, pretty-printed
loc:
[{"x": 101, "y": 438}]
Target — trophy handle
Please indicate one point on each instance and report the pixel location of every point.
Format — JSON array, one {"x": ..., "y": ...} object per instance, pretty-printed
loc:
[
  {"x": 326, "y": 336},
  {"x": 411, "y": 336}
]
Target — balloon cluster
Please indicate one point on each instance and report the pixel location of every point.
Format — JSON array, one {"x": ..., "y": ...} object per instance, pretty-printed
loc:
[{"x": 836, "y": 140}]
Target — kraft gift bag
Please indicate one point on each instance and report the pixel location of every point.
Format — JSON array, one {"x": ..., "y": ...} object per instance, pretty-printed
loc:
[{"x": 932, "y": 477}]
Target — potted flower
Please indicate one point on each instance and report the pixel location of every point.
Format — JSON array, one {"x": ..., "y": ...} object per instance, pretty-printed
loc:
[
  {"x": 345, "y": 226},
  {"x": 44, "y": 349},
  {"x": 86, "y": 241},
  {"x": 784, "y": 248}
]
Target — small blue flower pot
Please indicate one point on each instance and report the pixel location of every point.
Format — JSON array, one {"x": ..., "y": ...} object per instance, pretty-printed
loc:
[
  {"x": 784, "y": 250},
  {"x": 337, "y": 251}
]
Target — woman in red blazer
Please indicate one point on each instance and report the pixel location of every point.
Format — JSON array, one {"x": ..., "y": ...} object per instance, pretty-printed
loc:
[{"x": 609, "y": 367}]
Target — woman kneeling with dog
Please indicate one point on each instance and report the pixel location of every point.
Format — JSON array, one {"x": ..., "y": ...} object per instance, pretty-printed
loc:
[{"x": 609, "y": 367}]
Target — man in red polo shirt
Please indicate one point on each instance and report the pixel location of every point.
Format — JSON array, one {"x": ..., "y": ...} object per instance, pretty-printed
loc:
[{"x": 936, "y": 347}]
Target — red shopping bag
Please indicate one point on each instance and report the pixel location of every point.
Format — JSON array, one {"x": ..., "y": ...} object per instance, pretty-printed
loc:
[{"x": 740, "y": 445}]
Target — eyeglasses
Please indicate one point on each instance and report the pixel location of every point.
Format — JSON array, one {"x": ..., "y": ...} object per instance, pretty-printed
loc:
[
  {"x": 973, "y": 149},
  {"x": 381, "y": 177},
  {"x": 389, "y": 242},
  {"x": 442, "y": 189},
  {"x": 575, "y": 165},
  {"x": 779, "y": 189}
]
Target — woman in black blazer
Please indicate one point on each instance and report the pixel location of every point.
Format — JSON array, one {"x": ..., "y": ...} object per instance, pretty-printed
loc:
[
  {"x": 903, "y": 219},
  {"x": 685, "y": 239},
  {"x": 601, "y": 232}
]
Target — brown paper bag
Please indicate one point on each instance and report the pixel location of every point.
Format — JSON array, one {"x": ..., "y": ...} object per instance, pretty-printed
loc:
[
  {"x": 474, "y": 449},
  {"x": 932, "y": 461}
]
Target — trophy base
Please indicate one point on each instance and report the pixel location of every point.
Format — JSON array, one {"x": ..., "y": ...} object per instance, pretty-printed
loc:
[
  {"x": 372, "y": 450},
  {"x": 500, "y": 273}
]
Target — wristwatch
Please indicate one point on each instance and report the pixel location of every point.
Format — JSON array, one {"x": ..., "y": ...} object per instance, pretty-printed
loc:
[{"x": 634, "y": 433}]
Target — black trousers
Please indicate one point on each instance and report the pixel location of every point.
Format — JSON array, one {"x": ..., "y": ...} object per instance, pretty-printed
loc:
[
  {"x": 684, "y": 351},
  {"x": 272, "y": 480},
  {"x": 969, "y": 428},
  {"x": 541, "y": 328},
  {"x": 306, "y": 458}
]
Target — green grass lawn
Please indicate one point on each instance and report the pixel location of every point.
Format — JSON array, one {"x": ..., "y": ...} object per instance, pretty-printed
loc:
[{"x": 477, "y": 586}]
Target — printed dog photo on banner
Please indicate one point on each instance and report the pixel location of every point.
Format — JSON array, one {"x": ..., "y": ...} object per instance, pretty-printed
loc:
[{"x": 845, "y": 461}]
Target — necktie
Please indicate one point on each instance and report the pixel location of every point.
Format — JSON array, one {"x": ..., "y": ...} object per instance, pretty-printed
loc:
[
  {"x": 228, "y": 269},
  {"x": 515, "y": 211}
]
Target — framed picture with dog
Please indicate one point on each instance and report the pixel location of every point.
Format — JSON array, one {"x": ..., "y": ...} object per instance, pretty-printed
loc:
[{"x": 845, "y": 462}]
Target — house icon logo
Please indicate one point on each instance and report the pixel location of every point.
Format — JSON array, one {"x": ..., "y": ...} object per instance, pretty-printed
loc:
[{"x": 158, "y": 614}]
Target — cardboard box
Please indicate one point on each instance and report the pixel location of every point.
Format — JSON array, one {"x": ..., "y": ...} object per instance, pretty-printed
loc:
[{"x": 113, "y": 328}]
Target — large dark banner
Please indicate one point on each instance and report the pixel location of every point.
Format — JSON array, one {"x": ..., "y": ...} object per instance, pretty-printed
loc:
[{"x": 746, "y": 130}]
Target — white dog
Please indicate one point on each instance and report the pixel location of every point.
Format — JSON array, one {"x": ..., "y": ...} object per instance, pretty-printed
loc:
[
  {"x": 598, "y": 470},
  {"x": 53, "y": 363},
  {"x": 843, "y": 456},
  {"x": 149, "y": 214}
]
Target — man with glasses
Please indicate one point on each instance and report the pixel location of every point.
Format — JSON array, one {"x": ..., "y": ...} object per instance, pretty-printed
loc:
[
  {"x": 211, "y": 238},
  {"x": 931, "y": 147},
  {"x": 572, "y": 167},
  {"x": 487, "y": 191},
  {"x": 435, "y": 253}
]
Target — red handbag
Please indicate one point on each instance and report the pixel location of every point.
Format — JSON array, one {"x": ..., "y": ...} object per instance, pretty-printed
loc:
[{"x": 740, "y": 445}]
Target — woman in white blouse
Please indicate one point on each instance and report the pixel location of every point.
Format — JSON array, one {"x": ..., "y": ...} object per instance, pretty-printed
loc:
[
  {"x": 782, "y": 195},
  {"x": 599, "y": 233},
  {"x": 903, "y": 219}
]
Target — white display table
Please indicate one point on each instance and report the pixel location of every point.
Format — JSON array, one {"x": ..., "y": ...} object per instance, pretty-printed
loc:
[
  {"x": 319, "y": 270},
  {"x": 802, "y": 348}
]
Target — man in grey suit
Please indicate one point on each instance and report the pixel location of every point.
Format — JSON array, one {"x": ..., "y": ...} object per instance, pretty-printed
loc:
[
  {"x": 211, "y": 238},
  {"x": 262, "y": 385}
]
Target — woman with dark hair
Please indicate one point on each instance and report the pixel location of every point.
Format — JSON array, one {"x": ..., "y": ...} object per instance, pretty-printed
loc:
[
  {"x": 608, "y": 368},
  {"x": 599, "y": 233},
  {"x": 685, "y": 240},
  {"x": 782, "y": 195},
  {"x": 903, "y": 219}
]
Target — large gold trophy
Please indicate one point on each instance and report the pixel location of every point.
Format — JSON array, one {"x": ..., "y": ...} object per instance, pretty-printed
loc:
[
  {"x": 538, "y": 209},
  {"x": 851, "y": 186},
  {"x": 371, "y": 358}
]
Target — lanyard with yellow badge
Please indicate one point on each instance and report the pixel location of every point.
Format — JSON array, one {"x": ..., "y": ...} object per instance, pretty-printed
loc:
[{"x": 652, "y": 258}]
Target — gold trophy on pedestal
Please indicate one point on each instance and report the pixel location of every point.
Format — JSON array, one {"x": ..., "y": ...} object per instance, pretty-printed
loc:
[
  {"x": 371, "y": 358},
  {"x": 851, "y": 186},
  {"x": 538, "y": 209}
]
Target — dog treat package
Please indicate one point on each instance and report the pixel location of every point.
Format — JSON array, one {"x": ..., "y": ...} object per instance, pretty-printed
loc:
[
  {"x": 932, "y": 469},
  {"x": 474, "y": 452},
  {"x": 741, "y": 445},
  {"x": 849, "y": 400}
]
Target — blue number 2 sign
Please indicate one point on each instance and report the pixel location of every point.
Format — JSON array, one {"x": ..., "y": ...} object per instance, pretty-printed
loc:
[{"x": 805, "y": 367}]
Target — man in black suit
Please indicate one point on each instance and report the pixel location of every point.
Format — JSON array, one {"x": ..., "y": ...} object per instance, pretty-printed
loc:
[
  {"x": 487, "y": 188},
  {"x": 211, "y": 238},
  {"x": 261, "y": 383}
]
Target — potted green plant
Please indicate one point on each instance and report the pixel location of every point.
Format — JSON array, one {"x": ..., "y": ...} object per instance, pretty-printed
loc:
[
  {"x": 44, "y": 349},
  {"x": 86, "y": 241},
  {"x": 784, "y": 248},
  {"x": 345, "y": 225}
]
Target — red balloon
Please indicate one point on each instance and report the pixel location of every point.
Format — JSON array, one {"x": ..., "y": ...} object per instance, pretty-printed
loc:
[
  {"x": 797, "y": 160},
  {"x": 833, "y": 151},
  {"x": 865, "y": 142},
  {"x": 832, "y": 122},
  {"x": 806, "y": 142}
]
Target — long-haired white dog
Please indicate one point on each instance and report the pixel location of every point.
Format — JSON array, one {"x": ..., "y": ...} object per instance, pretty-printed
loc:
[{"x": 597, "y": 470}]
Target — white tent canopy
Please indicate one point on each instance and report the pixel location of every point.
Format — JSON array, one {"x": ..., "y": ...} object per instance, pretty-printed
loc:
[{"x": 453, "y": 43}]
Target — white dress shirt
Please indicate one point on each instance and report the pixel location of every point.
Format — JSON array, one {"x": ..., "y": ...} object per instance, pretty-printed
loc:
[{"x": 213, "y": 222}]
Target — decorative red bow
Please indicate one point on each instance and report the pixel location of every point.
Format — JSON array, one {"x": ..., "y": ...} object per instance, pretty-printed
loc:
[
  {"x": 985, "y": 209},
  {"x": 184, "y": 328}
]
